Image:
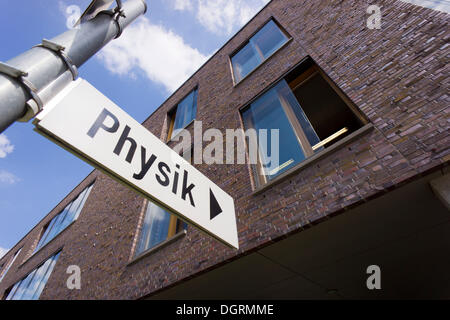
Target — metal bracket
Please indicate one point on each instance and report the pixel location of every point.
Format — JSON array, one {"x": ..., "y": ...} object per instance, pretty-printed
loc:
[
  {"x": 119, "y": 5},
  {"x": 116, "y": 14},
  {"x": 59, "y": 49},
  {"x": 12, "y": 71},
  {"x": 33, "y": 107}
]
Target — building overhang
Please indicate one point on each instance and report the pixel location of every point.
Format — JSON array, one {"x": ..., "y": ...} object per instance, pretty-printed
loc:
[{"x": 405, "y": 232}]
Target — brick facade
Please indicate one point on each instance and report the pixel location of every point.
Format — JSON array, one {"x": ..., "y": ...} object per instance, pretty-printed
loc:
[{"x": 398, "y": 78}]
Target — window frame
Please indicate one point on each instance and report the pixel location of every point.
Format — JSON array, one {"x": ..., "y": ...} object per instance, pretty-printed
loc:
[
  {"x": 13, "y": 289},
  {"x": 174, "y": 232},
  {"x": 62, "y": 214},
  {"x": 259, "y": 181},
  {"x": 173, "y": 113},
  {"x": 8, "y": 264},
  {"x": 248, "y": 41}
]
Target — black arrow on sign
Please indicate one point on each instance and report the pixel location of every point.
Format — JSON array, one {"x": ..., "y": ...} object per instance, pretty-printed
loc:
[{"x": 214, "y": 206}]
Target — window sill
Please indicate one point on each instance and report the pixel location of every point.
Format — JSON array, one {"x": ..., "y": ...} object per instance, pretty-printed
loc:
[
  {"x": 235, "y": 84},
  {"x": 158, "y": 247},
  {"x": 358, "y": 133}
]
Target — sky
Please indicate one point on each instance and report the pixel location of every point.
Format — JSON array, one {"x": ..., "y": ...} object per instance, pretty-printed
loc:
[{"x": 138, "y": 71}]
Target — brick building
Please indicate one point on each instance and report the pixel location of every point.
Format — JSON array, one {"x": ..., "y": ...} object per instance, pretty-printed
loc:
[{"x": 363, "y": 177}]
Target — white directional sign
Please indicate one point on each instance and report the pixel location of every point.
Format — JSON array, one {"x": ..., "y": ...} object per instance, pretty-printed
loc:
[{"x": 87, "y": 123}]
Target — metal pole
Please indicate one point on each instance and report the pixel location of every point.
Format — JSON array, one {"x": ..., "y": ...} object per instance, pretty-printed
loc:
[{"x": 48, "y": 72}]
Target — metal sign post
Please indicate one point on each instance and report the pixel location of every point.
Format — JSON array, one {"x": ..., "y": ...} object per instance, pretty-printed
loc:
[{"x": 30, "y": 80}]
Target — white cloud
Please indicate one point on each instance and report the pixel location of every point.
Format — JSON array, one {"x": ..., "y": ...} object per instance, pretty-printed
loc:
[
  {"x": 183, "y": 5},
  {"x": 3, "y": 251},
  {"x": 5, "y": 146},
  {"x": 8, "y": 177},
  {"x": 163, "y": 55},
  {"x": 223, "y": 16},
  {"x": 217, "y": 15}
]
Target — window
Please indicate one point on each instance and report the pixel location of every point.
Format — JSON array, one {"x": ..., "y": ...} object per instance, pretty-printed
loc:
[
  {"x": 64, "y": 218},
  {"x": 258, "y": 49},
  {"x": 183, "y": 114},
  {"x": 310, "y": 113},
  {"x": 159, "y": 225},
  {"x": 30, "y": 288},
  {"x": 441, "y": 5},
  {"x": 9, "y": 265}
]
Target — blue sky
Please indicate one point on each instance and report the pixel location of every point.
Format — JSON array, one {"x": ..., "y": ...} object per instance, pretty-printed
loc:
[{"x": 138, "y": 72}]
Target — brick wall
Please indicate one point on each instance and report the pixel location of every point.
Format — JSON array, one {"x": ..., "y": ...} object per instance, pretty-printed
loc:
[{"x": 396, "y": 76}]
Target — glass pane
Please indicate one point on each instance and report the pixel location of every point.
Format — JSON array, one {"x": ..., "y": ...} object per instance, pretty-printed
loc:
[
  {"x": 75, "y": 208},
  {"x": 29, "y": 291},
  {"x": 83, "y": 201},
  {"x": 268, "y": 113},
  {"x": 245, "y": 61},
  {"x": 13, "y": 291},
  {"x": 54, "y": 230},
  {"x": 31, "y": 287},
  {"x": 269, "y": 39},
  {"x": 65, "y": 217},
  {"x": 45, "y": 275},
  {"x": 10, "y": 264},
  {"x": 286, "y": 94},
  {"x": 45, "y": 236},
  {"x": 36, "y": 282},
  {"x": 155, "y": 228},
  {"x": 186, "y": 111},
  {"x": 21, "y": 290}
]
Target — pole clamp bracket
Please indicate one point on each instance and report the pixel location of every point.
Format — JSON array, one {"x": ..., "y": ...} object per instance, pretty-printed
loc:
[
  {"x": 20, "y": 77},
  {"x": 116, "y": 14},
  {"x": 119, "y": 12},
  {"x": 59, "y": 49}
]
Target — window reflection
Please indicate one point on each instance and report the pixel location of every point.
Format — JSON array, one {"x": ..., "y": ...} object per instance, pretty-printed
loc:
[
  {"x": 260, "y": 47},
  {"x": 158, "y": 226},
  {"x": 10, "y": 264},
  {"x": 269, "y": 112},
  {"x": 245, "y": 61},
  {"x": 185, "y": 112},
  {"x": 31, "y": 287},
  {"x": 65, "y": 218},
  {"x": 310, "y": 113},
  {"x": 268, "y": 39}
]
